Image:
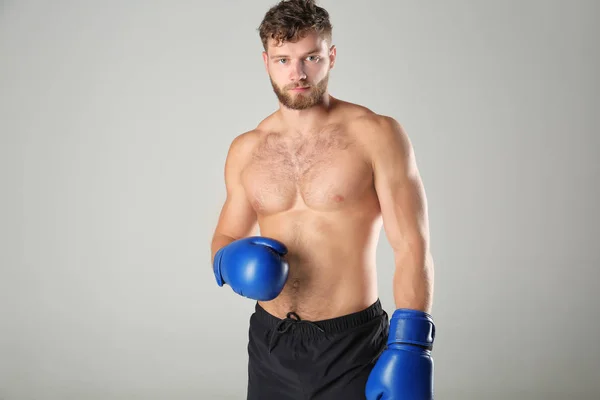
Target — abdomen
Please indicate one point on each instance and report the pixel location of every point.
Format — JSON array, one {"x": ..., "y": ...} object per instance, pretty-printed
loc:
[{"x": 331, "y": 256}]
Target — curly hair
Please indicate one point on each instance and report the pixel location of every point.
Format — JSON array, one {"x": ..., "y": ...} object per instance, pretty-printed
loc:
[{"x": 291, "y": 20}]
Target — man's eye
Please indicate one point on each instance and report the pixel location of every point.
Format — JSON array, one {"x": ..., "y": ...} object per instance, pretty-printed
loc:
[
  {"x": 281, "y": 60},
  {"x": 313, "y": 58}
]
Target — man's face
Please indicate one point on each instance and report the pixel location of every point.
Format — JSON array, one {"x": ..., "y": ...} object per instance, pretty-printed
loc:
[{"x": 299, "y": 72}]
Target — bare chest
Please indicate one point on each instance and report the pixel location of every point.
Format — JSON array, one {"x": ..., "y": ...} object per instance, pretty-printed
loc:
[{"x": 323, "y": 171}]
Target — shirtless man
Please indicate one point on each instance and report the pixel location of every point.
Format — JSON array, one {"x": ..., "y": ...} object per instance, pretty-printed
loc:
[{"x": 319, "y": 178}]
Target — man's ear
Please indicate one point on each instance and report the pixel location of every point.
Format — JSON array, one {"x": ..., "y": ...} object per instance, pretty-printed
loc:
[
  {"x": 332, "y": 56},
  {"x": 265, "y": 57}
]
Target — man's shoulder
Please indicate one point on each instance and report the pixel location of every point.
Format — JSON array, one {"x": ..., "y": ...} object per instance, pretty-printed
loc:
[
  {"x": 374, "y": 129},
  {"x": 246, "y": 141},
  {"x": 377, "y": 134},
  {"x": 367, "y": 120},
  {"x": 241, "y": 147}
]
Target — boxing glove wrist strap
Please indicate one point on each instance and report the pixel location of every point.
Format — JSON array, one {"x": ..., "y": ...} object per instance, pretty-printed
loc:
[{"x": 411, "y": 327}]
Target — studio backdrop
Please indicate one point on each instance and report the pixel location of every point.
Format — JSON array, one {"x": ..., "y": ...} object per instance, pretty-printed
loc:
[{"x": 115, "y": 120}]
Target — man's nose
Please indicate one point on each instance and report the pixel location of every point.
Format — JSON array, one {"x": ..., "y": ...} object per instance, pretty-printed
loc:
[{"x": 297, "y": 71}]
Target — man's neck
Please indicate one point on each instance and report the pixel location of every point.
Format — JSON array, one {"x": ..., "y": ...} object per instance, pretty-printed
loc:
[{"x": 309, "y": 119}]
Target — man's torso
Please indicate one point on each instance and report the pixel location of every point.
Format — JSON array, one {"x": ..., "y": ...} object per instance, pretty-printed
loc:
[{"x": 314, "y": 192}]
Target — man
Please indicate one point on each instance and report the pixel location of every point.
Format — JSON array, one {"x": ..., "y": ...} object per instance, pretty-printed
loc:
[{"x": 320, "y": 177}]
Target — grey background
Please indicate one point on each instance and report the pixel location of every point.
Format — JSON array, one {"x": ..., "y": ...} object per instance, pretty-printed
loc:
[{"x": 115, "y": 119}]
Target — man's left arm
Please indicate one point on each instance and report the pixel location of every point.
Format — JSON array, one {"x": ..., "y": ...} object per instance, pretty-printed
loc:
[
  {"x": 405, "y": 368},
  {"x": 405, "y": 219}
]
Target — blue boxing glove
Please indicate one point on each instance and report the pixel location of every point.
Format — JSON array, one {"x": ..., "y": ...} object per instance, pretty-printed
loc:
[
  {"x": 254, "y": 267},
  {"x": 404, "y": 371}
]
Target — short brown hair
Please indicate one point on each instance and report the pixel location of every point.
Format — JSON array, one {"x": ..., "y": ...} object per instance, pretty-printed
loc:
[{"x": 291, "y": 20}]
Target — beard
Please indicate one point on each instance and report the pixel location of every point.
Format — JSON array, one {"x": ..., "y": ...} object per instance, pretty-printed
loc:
[{"x": 301, "y": 101}]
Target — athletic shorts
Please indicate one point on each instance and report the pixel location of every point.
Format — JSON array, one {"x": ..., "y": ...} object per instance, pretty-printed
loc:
[{"x": 328, "y": 359}]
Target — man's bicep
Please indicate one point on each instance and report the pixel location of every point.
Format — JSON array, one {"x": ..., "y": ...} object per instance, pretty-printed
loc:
[
  {"x": 400, "y": 191},
  {"x": 404, "y": 212},
  {"x": 237, "y": 218}
]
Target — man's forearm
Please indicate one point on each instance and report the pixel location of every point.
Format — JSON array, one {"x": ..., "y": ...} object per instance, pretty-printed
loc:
[
  {"x": 219, "y": 240},
  {"x": 413, "y": 281}
]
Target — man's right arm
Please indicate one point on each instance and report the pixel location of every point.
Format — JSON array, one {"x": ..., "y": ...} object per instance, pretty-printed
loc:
[
  {"x": 237, "y": 218},
  {"x": 254, "y": 267}
]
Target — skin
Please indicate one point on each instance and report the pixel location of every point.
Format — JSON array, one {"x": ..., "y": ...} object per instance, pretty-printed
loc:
[{"x": 323, "y": 176}]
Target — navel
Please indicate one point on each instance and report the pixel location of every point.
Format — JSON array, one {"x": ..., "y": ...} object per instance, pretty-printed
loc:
[{"x": 296, "y": 284}]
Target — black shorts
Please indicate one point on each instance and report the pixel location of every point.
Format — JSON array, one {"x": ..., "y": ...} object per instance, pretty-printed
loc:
[{"x": 329, "y": 359}]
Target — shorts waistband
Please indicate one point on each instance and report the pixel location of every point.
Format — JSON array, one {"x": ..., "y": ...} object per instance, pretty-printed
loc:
[{"x": 332, "y": 325}]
